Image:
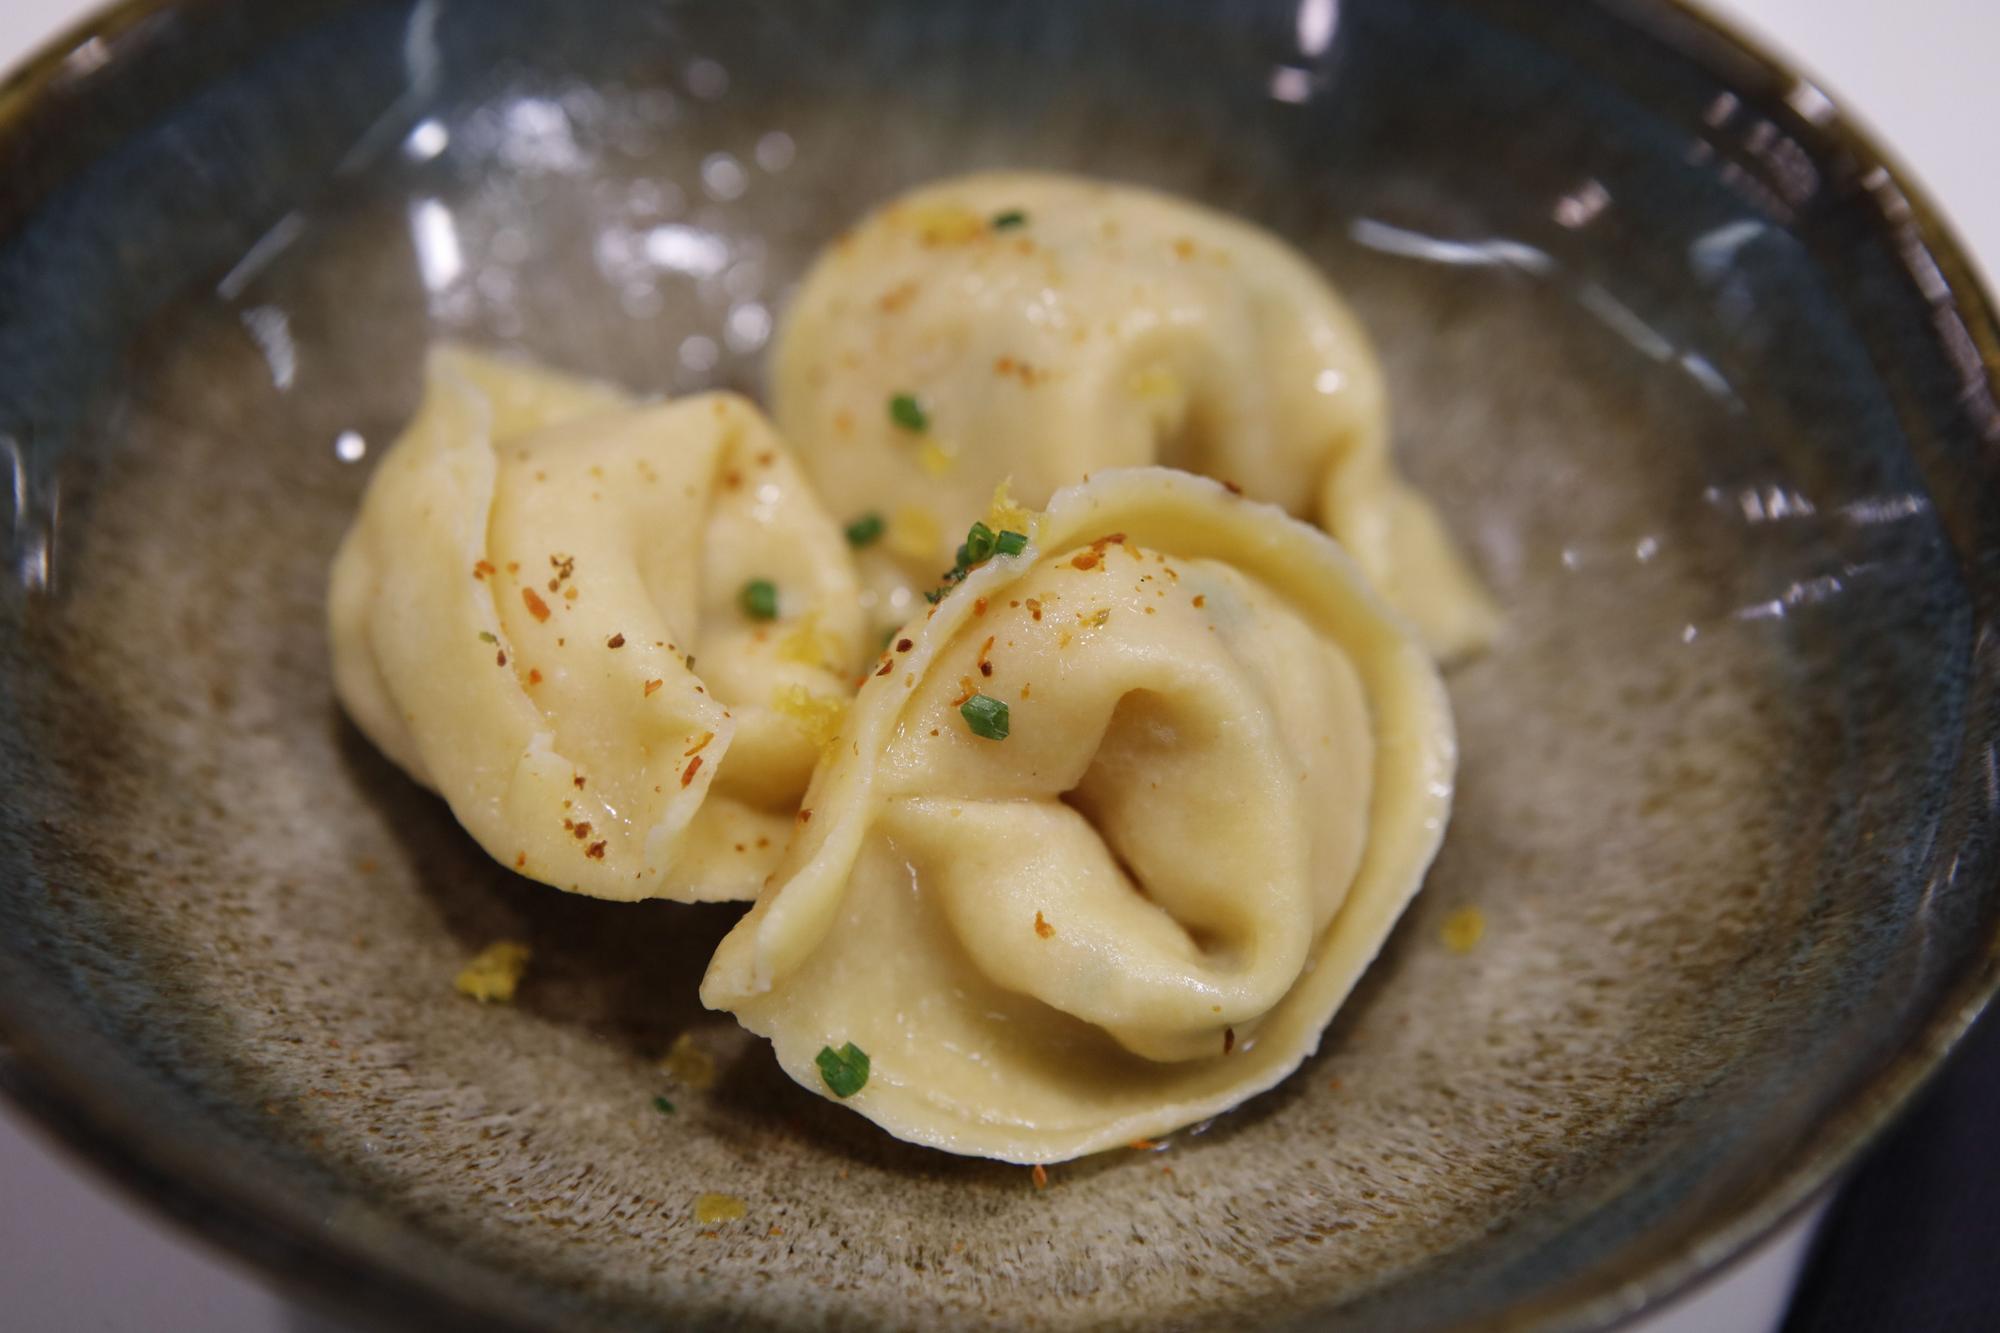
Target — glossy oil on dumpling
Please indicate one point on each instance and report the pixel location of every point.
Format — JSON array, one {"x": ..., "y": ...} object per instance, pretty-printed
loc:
[
  {"x": 540, "y": 614},
  {"x": 1044, "y": 327},
  {"x": 1226, "y": 769}
]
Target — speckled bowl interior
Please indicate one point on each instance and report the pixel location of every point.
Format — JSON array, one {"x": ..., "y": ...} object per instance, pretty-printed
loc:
[{"x": 1704, "y": 391}]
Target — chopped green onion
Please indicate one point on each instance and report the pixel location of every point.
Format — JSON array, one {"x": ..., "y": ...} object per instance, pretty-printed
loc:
[
  {"x": 1013, "y": 217},
  {"x": 907, "y": 412},
  {"x": 987, "y": 717},
  {"x": 485, "y": 637},
  {"x": 760, "y": 599},
  {"x": 663, "y": 1106},
  {"x": 1010, "y": 543},
  {"x": 978, "y": 545},
  {"x": 845, "y": 1070},
  {"x": 865, "y": 531}
]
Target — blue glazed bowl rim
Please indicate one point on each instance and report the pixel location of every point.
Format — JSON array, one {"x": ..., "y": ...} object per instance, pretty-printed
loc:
[{"x": 56, "y": 1091}]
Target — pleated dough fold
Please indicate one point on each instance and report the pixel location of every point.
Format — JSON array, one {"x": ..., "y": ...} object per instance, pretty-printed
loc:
[
  {"x": 1043, "y": 327},
  {"x": 540, "y": 613},
  {"x": 1226, "y": 767}
]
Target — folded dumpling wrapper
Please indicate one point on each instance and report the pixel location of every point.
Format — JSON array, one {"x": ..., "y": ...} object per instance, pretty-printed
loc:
[
  {"x": 539, "y": 613},
  {"x": 1044, "y": 327},
  {"x": 1226, "y": 770}
]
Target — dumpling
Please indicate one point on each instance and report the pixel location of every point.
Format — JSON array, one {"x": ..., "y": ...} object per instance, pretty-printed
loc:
[
  {"x": 1127, "y": 816},
  {"x": 1040, "y": 327},
  {"x": 613, "y": 635}
]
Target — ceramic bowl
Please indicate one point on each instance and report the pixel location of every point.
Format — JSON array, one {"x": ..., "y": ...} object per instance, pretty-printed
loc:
[{"x": 1703, "y": 384}]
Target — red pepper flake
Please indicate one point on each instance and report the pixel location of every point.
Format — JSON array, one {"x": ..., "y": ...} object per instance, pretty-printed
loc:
[
  {"x": 513, "y": 566},
  {"x": 520, "y": 860},
  {"x": 766, "y": 458},
  {"x": 888, "y": 665},
  {"x": 694, "y": 767},
  {"x": 1085, "y": 560},
  {"x": 805, "y": 816},
  {"x": 1231, "y": 487},
  {"x": 482, "y": 569},
  {"x": 732, "y": 480},
  {"x": 1025, "y": 690},
  {"x": 979, "y": 606},
  {"x": 577, "y": 780},
  {"x": 653, "y": 685},
  {"x": 1228, "y": 1040},
  {"x": 699, "y": 745},
  {"x": 537, "y": 608},
  {"x": 904, "y": 645},
  {"x": 985, "y": 667},
  {"x": 615, "y": 641},
  {"x": 595, "y": 851},
  {"x": 1143, "y": 1145},
  {"x": 534, "y": 676},
  {"x": 500, "y": 657},
  {"x": 1041, "y": 1176},
  {"x": 966, "y": 689},
  {"x": 1200, "y": 600},
  {"x": 1043, "y": 928},
  {"x": 582, "y": 830},
  {"x": 1034, "y": 608}
]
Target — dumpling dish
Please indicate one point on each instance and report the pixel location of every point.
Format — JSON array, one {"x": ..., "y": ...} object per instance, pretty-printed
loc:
[
  {"x": 612, "y": 635},
  {"x": 1039, "y": 327},
  {"x": 1130, "y": 813},
  {"x": 1073, "y": 774}
]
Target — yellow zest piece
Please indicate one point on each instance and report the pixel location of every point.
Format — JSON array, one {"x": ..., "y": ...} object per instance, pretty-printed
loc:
[
  {"x": 809, "y": 645},
  {"x": 945, "y": 224},
  {"x": 712, "y": 1208},
  {"x": 914, "y": 534},
  {"x": 1155, "y": 384},
  {"x": 491, "y": 977},
  {"x": 689, "y": 1065},
  {"x": 937, "y": 457},
  {"x": 1463, "y": 930},
  {"x": 1004, "y": 515},
  {"x": 817, "y": 716}
]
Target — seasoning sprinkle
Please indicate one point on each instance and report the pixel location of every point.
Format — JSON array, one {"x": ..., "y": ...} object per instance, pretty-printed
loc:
[
  {"x": 865, "y": 531},
  {"x": 907, "y": 412},
  {"x": 760, "y": 599},
  {"x": 1013, "y": 217},
  {"x": 845, "y": 1070},
  {"x": 986, "y": 717}
]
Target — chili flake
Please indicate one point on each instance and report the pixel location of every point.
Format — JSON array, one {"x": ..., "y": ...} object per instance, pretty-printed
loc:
[
  {"x": 652, "y": 686},
  {"x": 537, "y": 608},
  {"x": 1043, "y": 928},
  {"x": 615, "y": 641},
  {"x": 694, "y": 767}
]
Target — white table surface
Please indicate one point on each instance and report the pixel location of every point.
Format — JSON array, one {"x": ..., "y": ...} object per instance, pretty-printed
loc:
[{"x": 76, "y": 1255}]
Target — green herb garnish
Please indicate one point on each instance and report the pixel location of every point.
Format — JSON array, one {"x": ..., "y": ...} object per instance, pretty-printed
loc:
[
  {"x": 1013, "y": 217},
  {"x": 907, "y": 412},
  {"x": 978, "y": 545},
  {"x": 845, "y": 1070},
  {"x": 760, "y": 600},
  {"x": 485, "y": 637},
  {"x": 1010, "y": 543},
  {"x": 663, "y": 1106},
  {"x": 987, "y": 717},
  {"x": 865, "y": 531}
]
